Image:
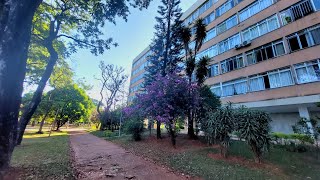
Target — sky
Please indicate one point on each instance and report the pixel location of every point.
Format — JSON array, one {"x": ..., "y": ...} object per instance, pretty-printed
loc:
[{"x": 132, "y": 36}]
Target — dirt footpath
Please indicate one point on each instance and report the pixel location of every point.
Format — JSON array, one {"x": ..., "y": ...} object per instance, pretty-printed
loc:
[{"x": 95, "y": 158}]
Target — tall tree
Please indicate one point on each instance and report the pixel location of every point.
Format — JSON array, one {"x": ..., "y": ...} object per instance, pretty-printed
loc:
[
  {"x": 15, "y": 26},
  {"x": 190, "y": 59},
  {"x": 79, "y": 23},
  {"x": 166, "y": 46},
  {"x": 112, "y": 80}
]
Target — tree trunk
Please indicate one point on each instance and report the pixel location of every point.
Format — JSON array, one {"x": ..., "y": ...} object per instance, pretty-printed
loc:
[
  {"x": 172, "y": 134},
  {"x": 15, "y": 27},
  {"x": 36, "y": 99},
  {"x": 42, "y": 123},
  {"x": 158, "y": 130},
  {"x": 190, "y": 117}
]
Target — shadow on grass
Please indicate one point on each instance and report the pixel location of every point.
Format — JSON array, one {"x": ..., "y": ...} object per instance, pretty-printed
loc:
[{"x": 43, "y": 157}]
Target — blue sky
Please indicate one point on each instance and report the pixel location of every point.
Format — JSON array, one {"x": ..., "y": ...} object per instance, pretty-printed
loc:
[{"x": 132, "y": 36}]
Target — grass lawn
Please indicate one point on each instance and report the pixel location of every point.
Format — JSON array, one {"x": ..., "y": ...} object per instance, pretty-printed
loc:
[
  {"x": 197, "y": 159},
  {"x": 42, "y": 157}
]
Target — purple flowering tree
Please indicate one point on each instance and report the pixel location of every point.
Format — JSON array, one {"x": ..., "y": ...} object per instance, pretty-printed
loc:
[{"x": 166, "y": 99}]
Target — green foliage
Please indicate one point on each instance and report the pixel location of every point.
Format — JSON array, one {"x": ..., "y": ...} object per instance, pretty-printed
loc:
[
  {"x": 286, "y": 139},
  {"x": 72, "y": 104},
  {"x": 253, "y": 126},
  {"x": 202, "y": 71},
  {"x": 219, "y": 125},
  {"x": 135, "y": 128}
]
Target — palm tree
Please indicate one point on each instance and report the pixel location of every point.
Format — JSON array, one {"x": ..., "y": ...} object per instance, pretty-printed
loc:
[
  {"x": 202, "y": 71},
  {"x": 190, "y": 55}
]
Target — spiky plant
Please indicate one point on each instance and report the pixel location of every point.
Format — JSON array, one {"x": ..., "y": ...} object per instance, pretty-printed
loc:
[
  {"x": 254, "y": 127},
  {"x": 218, "y": 127}
]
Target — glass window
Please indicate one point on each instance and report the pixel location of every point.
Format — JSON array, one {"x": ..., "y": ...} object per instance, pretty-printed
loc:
[
  {"x": 210, "y": 34},
  {"x": 286, "y": 17},
  {"x": 256, "y": 83},
  {"x": 304, "y": 39},
  {"x": 280, "y": 78},
  {"x": 216, "y": 89},
  {"x": 308, "y": 72},
  {"x": 254, "y": 8}
]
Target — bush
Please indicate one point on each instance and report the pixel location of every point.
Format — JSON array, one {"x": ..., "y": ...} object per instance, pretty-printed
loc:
[
  {"x": 304, "y": 138},
  {"x": 135, "y": 128},
  {"x": 253, "y": 126},
  {"x": 107, "y": 133},
  {"x": 218, "y": 126}
]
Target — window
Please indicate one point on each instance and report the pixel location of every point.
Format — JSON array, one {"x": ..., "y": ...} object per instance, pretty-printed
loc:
[
  {"x": 234, "y": 87},
  {"x": 214, "y": 70},
  {"x": 216, "y": 89},
  {"x": 227, "y": 24},
  {"x": 265, "y": 52},
  {"x": 297, "y": 11},
  {"x": 199, "y": 11},
  {"x": 308, "y": 72},
  {"x": 261, "y": 28},
  {"x": 208, "y": 19},
  {"x": 210, "y": 52},
  {"x": 210, "y": 34},
  {"x": 280, "y": 78},
  {"x": 229, "y": 43},
  {"x": 257, "y": 83},
  {"x": 254, "y": 8},
  {"x": 306, "y": 38},
  {"x": 224, "y": 8},
  {"x": 231, "y": 64}
]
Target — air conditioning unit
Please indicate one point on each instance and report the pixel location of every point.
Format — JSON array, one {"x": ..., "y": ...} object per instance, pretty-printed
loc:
[
  {"x": 238, "y": 46},
  {"x": 246, "y": 43}
]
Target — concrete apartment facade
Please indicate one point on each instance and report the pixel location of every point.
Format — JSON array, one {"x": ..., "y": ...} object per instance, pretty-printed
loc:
[{"x": 265, "y": 54}]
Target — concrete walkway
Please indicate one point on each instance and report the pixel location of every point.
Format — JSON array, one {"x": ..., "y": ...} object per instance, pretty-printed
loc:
[{"x": 95, "y": 158}]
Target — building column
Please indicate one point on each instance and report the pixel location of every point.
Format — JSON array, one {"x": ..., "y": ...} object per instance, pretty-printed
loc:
[{"x": 304, "y": 113}]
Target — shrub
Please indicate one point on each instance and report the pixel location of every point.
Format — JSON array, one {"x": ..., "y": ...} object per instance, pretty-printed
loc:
[
  {"x": 253, "y": 126},
  {"x": 304, "y": 138},
  {"x": 135, "y": 128},
  {"x": 107, "y": 133},
  {"x": 218, "y": 126}
]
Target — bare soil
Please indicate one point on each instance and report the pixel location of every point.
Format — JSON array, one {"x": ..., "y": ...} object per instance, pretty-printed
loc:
[{"x": 95, "y": 158}]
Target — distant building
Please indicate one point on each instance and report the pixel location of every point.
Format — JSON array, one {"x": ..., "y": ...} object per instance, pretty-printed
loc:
[{"x": 265, "y": 55}]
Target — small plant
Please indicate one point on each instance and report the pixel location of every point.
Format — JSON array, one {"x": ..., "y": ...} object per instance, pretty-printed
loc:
[
  {"x": 107, "y": 133},
  {"x": 135, "y": 128}
]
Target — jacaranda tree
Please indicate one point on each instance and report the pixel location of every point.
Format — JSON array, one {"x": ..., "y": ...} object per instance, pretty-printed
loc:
[{"x": 166, "y": 100}]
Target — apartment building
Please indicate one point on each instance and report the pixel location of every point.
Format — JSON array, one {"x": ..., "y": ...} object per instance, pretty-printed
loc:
[{"x": 265, "y": 54}]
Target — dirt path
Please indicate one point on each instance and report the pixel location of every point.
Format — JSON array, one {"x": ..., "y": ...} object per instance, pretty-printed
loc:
[{"x": 95, "y": 158}]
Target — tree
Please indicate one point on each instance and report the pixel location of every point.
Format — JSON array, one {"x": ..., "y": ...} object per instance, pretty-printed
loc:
[
  {"x": 166, "y": 46},
  {"x": 209, "y": 103},
  {"x": 190, "y": 59},
  {"x": 71, "y": 104},
  {"x": 112, "y": 80},
  {"x": 15, "y": 26},
  {"x": 254, "y": 127},
  {"x": 77, "y": 22},
  {"x": 166, "y": 101}
]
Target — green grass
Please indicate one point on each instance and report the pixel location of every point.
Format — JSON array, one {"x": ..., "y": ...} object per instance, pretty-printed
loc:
[
  {"x": 279, "y": 163},
  {"x": 43, "y": 157}
]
